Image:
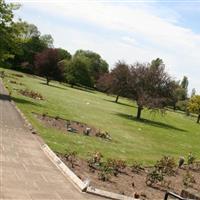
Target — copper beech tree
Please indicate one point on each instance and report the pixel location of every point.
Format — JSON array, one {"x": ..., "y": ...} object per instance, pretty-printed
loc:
[{"x": 150, "y": 86}]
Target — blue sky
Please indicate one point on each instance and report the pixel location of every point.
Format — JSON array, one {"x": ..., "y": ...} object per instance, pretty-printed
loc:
[{"x": 125, "y": 30}]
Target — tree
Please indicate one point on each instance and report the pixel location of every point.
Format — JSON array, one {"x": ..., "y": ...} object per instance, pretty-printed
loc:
[
  {"x": 150, "y": 85},
  {"x": 184, "y": 86},
  {"x": 63, "y": 54},
  {"x": 47, "y": 40},
  {"x": 77, "y": 73},
  {"x": 96, "y": 65},
  {"x": 7, "y": 30},
  {"x": 194, "y": 106},
  {"x": 193, "y": 92},
  {"x": 104, "y": 83},
  {"x": 46, "y": 64},
  {"x": 120, "y": 78}
]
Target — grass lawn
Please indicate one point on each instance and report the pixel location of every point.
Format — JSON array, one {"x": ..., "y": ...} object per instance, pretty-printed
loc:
[{"x": 171, "y": 134}]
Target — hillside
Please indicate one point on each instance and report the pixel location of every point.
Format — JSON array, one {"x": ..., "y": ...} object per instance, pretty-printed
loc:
[{"x": 146, "y": 141}]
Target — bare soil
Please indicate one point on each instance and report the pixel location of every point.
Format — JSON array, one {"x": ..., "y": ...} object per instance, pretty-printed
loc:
[
  {"x": 73, "y": 127},
  {"x": 128, "y": 183}
]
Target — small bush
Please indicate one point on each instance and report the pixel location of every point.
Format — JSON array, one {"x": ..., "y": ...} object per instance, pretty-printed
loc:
[
  {"x": 31, "y": 94},
  {"x": 166, "y": 165},
  {"x": 106, "y": 172},
  {"x": 70, "y": 156},
  {"x": 191, "y": 159},
  {"x": 154, "y": 177},
  {"x": 18, "y": 75},
  {"x": 116, "y": 165},
  {"x": 2, "y": 74},
  {"x": 136, "y": 167},
  {"x": 188, "y": 179},
  {"x": 95, "y": 161}
]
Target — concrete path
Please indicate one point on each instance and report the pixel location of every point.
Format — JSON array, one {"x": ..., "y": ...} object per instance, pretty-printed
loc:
[{"x": 25, "y": 171}]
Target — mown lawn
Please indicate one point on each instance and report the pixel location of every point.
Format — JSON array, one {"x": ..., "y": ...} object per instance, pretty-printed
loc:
[{"x": 171, "y": 134}]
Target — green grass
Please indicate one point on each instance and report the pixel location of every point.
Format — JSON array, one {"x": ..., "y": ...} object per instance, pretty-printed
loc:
[{"x": 171, "y": 134}]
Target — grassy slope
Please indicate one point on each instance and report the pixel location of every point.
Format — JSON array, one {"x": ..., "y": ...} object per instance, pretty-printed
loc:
[{"x": 171, "y": 134}]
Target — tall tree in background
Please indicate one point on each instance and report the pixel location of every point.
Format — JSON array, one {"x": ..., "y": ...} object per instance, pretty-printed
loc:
[
  {"x": 194, "y": 106},
  {"x": 150, "y": 85},
  {"x": 77, "y": 73},
  {"x": 96, "y": 65},
  {"x": 184, "y": 86},
  {"x": 120, "y": 78},
  {"x": 63, "y": 54},
  {"x": 7, "y": 31},
  {"x": 46, "y": 64},
  {"x": 193, "y": 92}
]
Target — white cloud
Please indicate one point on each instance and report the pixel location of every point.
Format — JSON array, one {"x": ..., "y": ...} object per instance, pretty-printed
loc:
[{"x": 139, "y": 33}]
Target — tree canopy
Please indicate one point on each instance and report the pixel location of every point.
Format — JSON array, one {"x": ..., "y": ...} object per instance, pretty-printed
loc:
[{"x": 194, "y": 106}]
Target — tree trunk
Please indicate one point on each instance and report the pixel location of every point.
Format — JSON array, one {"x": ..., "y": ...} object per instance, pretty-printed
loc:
[
  {"x": 174, "y": 107},
  {"x": 198, "y": 119},
  {"x": 48, "y": 80},
  {"x": 139, "y": 111},
  {"x": 117, "y": 97}
]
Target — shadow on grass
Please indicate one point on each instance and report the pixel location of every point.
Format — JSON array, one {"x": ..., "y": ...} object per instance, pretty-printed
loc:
[
  {"x": 83, "y": 89},
  {"x": 5, "y": 97},
  {"x": 150, "y": 122},
  {"x": 120, "y": 103},
  {"x": 51, "y": 85}
]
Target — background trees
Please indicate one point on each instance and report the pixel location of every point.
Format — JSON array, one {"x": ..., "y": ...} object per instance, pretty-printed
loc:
[
  {"x": 96, "y": 65},
  {"x": 46, "y": 64},
  {"x": 7, "y": 31},
  {"x": 194, "y": 106},
  {"x": 77, "y": 73}
]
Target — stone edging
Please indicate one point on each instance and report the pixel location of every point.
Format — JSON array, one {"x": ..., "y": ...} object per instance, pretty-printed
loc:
[{"x": 80, "y": 185}]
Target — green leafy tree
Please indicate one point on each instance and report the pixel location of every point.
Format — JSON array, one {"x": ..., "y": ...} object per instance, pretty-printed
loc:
[
  {"x": 63, "y": 54},
  {"x": 96, "y": 65},
  {"x": 194, "y": 106},
  {"x": 7, "y": 30},
  {"x": 77, "y": 72}
]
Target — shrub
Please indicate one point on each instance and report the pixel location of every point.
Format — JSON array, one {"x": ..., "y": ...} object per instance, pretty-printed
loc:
[
  {"x": 188, "y": 179},
  {"x": 70, "y": 156},
  {"x": 105, "y": 172},
  {"x": 154, "y": 177},
  {"x": 94, "y": 162},
  {"x": 191, "y": 159},
  {"x": 166, "y": 165},
  {"x": 116, "y": 165},
  {"x": 136, "y": 167},
  {"x": 31, "y": 94}
]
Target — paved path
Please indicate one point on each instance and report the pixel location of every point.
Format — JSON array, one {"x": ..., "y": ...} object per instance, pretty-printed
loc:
[{"x": 25, "y": 171}]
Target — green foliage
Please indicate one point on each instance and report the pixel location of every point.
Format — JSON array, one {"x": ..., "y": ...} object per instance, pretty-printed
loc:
[
  {"x": 77, "y": 72},
  {"x": 136, "y": 167},
  {"x": 154, "y": 177},
  {"x": 63, "y": 54},
  {"x": 116, "y": 166},
  {"x": 166, "y": 165},
  {"x": 7, "y": 31},
  {"x": 191, "y": 159},
  {"x": 188, "y": 179},
  {"x": 95, "y": 64},
  {"x": 194, "y": 106}
]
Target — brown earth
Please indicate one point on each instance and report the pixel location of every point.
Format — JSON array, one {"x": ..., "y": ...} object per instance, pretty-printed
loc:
[
  {"x": 73, "y": 127},
  {"x": 129, "y": 183}
]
